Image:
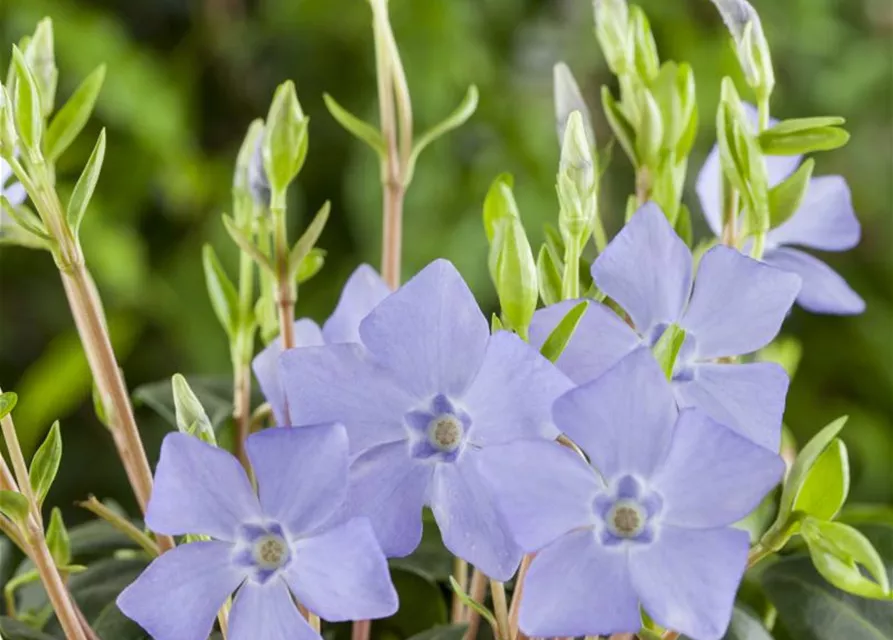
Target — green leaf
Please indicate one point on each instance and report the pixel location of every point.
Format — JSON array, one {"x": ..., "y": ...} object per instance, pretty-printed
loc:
[
  {"x": 14, "y": 506},
  {"x": 683, "y": 225},
  {"x": 795, "y": 143},
  {"x": 650, "y": 134},
  {"x": 422, "y": 606},
  {"x": 456, "y": 119},
  {"x": 27, "y": 222},
  {"x": 809, "y": 607},
  {"x": 191, "y": 417},
  {"x": 29, "y": 120},
  {"x": 221, "y": 291},
  {"x": 308, "y": 240},
  {"x": 83, "y": 190},
  {"x": 8, "y": 401},
  {"x": 516, "y": 277},
  {"x": 214, "y": 393},
  {"x": 667, "y": 349},
  {"x": 15, "y": 630},
  {"x": 797, "y": 125},
  {"x": 785, "y": 351},
  {"x": 499, "y": 204},
  {"x": 839, "y": 552},
  {"x": 785, "y": 197},
  {"x": 310, "y": 265},
  {"x": 246, "y": 244},
  {"x": 548, "y": 277},
  {"x": 99, "y": 586},
  {"x": 486, "y": 614},
  {"x": 58, "y": 540},
  {"x": 70, "y": 120},
  {"x": 620, "y": 125},
  {"x": 561, "y": 335},
  {"x": 362, "y": 130},
  {"x": 496, "y": 324},
  {"x": 827, "y": 483},
  {"x": 443, "y": 632},
  {"x": 112, "y": 624},
  {"x": 45, "y": 464}
]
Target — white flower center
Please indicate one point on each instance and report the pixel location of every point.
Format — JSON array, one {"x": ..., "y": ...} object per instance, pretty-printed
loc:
[
  {"x": 270, "y": 552},
  {"x": 445, "y": 433},
  {"x": 626, "y": 519}
]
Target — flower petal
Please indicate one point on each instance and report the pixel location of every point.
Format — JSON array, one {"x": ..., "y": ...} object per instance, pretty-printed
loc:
[
  {"x": 15, "y": 193},
  {"x": 266, "y": 366},
  {"x": 199, "y": 489},
  {"x": 341, "y": 383},
  {"x": 301, "y": 473},
  {"x": 342, "y": 574},
  {"x": 471, "y": 526},
  {"x": 267, "y": 611},
  {"x": 702, "y": 491},
  {"x": 512, "y": 395},
  {"x": 177, "y": 597},
  {"x": 542, "y": 489},
  {"x": 390, "y": 488},
  {"x": 738, "y": 304},
  {"x": 430, "y": 333},
  {"x": 824, "y": 291},
  {"x": 577, "y": 587},
  {"x": 362, "y": 292},
  {"x": 825, "y": 219},
  {"x": 599, "y": 342},
  {"x": 646, "y": 268},
  {"x": 687, "y": 579},
  {"x": 624, "y": 419},
  {"x": 747, "y": 398}
]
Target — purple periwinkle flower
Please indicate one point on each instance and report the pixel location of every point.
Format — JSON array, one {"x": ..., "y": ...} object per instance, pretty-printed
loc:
[
  {"x": 824, "y": 221},
  {"x": 287, "y": 541},
  {"x": 363, "y": 290},
  {"x": 736, "y": 306},
  {"x": 649, "y": 525},
  {"x": 424, "y": 393}
]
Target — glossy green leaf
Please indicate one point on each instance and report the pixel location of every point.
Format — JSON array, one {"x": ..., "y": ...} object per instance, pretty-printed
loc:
[
  {"x": 221, "y": 291},
  {"x": 785, "y": 197},
  {"x": 28, "y": 117},
  {"x": 83, "y": 190},
  {"x": 8, "y": 401},
  {"x": 362, "y": 130},
  {"x": 499, "y": 204},
  {"x": 827, "y": 483},
  {"x": 795, "y": 143},
  {"x": 191, "y": 416},
  {"x": 58, "y": 540},
  {"x": 71, "y": 119},
  {"x": 14, "y": 506},
  {"x": 561, "y": 335},
  {"x": 840, "y": 553},
  {"x": 443, "y": 632},
  {"x": 308, "y": 240},
  {"x": 457, "y": 118},
  {"x": 45, "y": 464},
  {"x": 548, "y": 277},
  {"x": 620, "y": 125}
]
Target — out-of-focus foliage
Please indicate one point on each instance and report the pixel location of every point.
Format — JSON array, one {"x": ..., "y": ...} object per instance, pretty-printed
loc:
[{"x": 185, "y": 78}]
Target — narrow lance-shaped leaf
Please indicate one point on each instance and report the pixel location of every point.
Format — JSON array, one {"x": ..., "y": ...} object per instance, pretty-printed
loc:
[
  {"x": 827, "y": 484},
  {"x": 308, "y": 240},
  {"x": 58, "y": 540},
  {"x": 548, "y": 277},
  {"x": 29, "y": 120},
  {"x": 620, "y": 125},
  {"x": 221, "y": 291},
  {"x": 26, "y": 221},
  {"x": 70, "y": 120},
  {"x": 41, "y": 57},
  {"x": 14, "y": 506},
  {"x": 797, "y": 125},
  {"x": 795, "y": 143},
  {"x": 362, "y": 130},
  {"x": 83, "y": 190},
  {"x": 247, "y": 245},
  {"x": 561, "y": 335},
  {"x": 45, "y": 464},
  {"x": 787, "y": 196},
  {"x": 456, "y": 119}
]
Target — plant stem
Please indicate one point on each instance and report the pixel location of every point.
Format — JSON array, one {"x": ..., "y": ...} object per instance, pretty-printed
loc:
[
  {"x": 477, "y": 592},
  {"x": 517, "y": 595},
  {"x": 570, "y": 285},
  {"x": 361, "y": 630},
  {"x": 242, "y": 350},
  {"x": 285, "y": 290},
  {"x": 729, "y": 214},
  {"x": 643, "y": 185},
  {"x": 500, "y": 608},
  {"x": 460, "y": 575},
  {"x": 121, "y": 524}
]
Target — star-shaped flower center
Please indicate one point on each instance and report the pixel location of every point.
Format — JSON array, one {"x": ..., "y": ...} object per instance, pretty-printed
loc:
[
  {"x": 628, "y": 512},
  {"x": 626, "y": 519},
  {"x": 445, "y": 432},
  {"x": 438, "y": 431},
  {"x": 264, "y": 549},
  {"x": 270, "y": 552}
]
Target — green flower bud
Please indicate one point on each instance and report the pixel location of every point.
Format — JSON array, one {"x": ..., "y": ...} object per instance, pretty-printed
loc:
[
  {"x": 612, "y": 28},
  {"x": 576, "y": 183},
  {"x": 285, "y": 139},
  {"x": 515, "y": 276},
  {"x": 646, "y": 58},
  {"x": 567, "y": 100},
  {"x": 751, "y": 46}
]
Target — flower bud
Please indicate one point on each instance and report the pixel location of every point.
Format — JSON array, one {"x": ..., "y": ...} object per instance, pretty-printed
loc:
[
  {"x": 250, "y": 177},
  {"x": 751, "y": 46},
  {"x": 515, "y": 275},
  {"x": 576, "y": 183},
  {"x": 41, "y": 58},
  {"x": 567, "y": 100},
  {"x": 285, "y": 138},
  {"x": 612, "y": 28},
  {"x": 645, "y": 52}
]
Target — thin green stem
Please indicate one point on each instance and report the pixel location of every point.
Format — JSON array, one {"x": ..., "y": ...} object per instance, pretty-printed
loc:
[
  {"x": 460, "y": 575},
  {"x": 570, "y": 284},
  {"x": 121, "y": 524},
  {"x": 500, "y": 608}
]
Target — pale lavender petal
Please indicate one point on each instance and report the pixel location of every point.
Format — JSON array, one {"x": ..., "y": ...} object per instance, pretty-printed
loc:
[
  {"x": 687, "y": 579},
  {"x": 363, "y": 291},
  {"x": 267, "y": 611},
  {"x": 177, "y": 597},
  {"x": 711, "y": 476},
  {"x": 390, "y": 488},
  {"x": 646, "y": 269},
  {"x": 513, "y": 393},
  {"x": 342, "y": 574},
  {"x": 599, "y": 342},
  {"x": 266, "y": 366},
  {"x": 738, "y": 304},
  {"x": 747, "y": 398},
  {"x": 199, "y": 489},
  {"x": 542, "y": 489},
  {"x": 471, "y": 526},
  {"x": 624, "y": 419},
  {"x": 577, "y": 587},
  {"x": 340, "y": 383},
  {"x": 825, "y": 219},
  {"x": 824, "y": 291},
  {"x": 430, "y": 333},
  {"x": 15, "y": 193},
  {"x": 301, "y": 473},
  {"x": 5, "y": 172}
]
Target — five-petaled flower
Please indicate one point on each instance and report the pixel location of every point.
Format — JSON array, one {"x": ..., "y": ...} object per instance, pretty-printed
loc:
[
  {"x": 825, "y": 221},
  {"x": 649, "y": 525},
  {"x": 364, "y": 289},
  {"x": 287, "y": 541},
  {"x": 736, "y": 306},
  {"x": 424, "y": 393}
]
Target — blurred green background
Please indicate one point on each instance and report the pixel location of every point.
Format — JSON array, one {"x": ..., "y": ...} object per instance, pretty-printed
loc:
[{"x": 185, "y": 77}]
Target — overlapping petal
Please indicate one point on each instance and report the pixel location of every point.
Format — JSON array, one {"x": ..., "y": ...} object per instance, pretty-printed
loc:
[
  {"x": 301, "y": 473},
  {"x": 362, "y": 292},
  {"x": 647, "y": 269},
  {"x": 823, "y": 290},
  {"x": 342, "y": 574},
  {"x": 430, "y": 334},
  {"x": 624, "y": 419},
  {"x": 825, "y": 220},
  {"x": 200, "y": 489},
  {"x": 178, "y": 596},
  {"x": 267, "y": 611},
  {"x": 738, "y": 304}
]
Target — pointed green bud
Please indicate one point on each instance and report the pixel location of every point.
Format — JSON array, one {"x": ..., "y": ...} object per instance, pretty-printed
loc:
[
  {"x": 646, "y": 58},
  {"x": 250, "y": 178},
  {"x": 576, "y": 183},
  {"x": 751, "y": 46},
  {"x": 41, "y": 57},
  {"x": 568, "y": 99},
  {"x": 191, "y": 416},
  {"x": 285, "y": 140},
  {"x": 650, "y": 133},
  {"x": 516, "y": 277},
  {"x": 28, "y": 116},
  {"x": 612, "y": 28}
]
